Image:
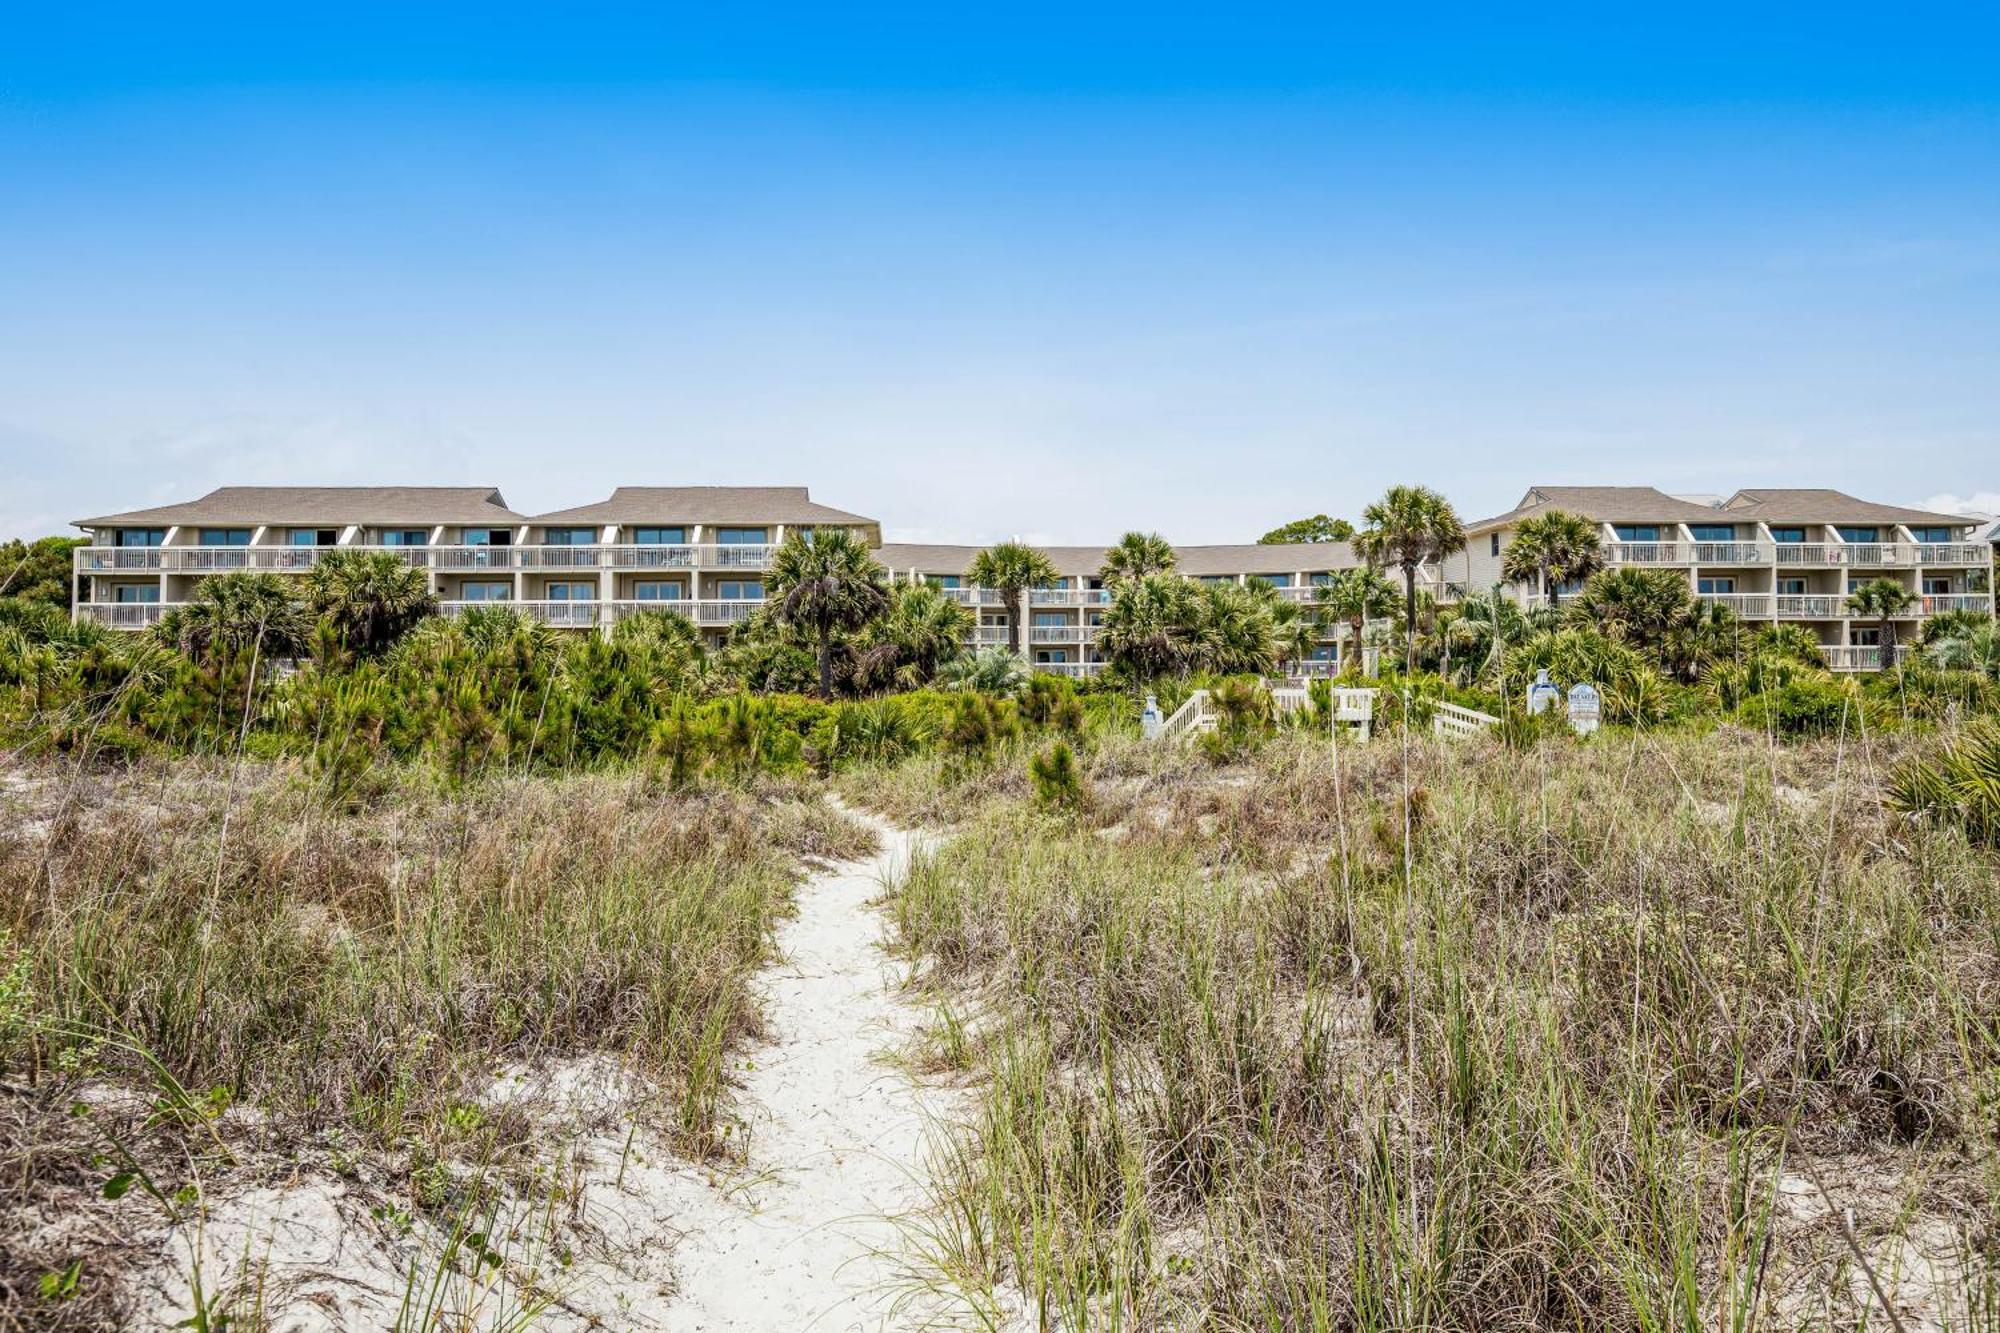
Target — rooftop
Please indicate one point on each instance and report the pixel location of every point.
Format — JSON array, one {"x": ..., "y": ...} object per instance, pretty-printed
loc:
[
  {"x": 331, "y": 505},
  {"x": 706, "y": 504}
]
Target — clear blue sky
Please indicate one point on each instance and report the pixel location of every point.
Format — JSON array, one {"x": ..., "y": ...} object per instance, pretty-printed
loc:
[{"x": 1020, "y": 269}]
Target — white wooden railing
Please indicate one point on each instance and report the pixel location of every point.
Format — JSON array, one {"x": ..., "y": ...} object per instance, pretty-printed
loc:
[
  {"x": 1190, "y": 717},
  {"x": 1458, "y": 723}
]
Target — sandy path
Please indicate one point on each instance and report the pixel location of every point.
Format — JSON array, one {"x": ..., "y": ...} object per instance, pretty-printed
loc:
[{"x": 836, "y": 1135}]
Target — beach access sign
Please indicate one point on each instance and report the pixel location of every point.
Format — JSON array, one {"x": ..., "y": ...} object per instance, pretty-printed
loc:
[
  {"x": 1543, "y": 694},
  {"x": 1586, "y": 708}
]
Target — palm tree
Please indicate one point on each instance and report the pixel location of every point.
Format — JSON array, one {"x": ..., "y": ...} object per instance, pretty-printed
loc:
[
  {"x": 922, "y": 631},
  {"x": 1552, "y": 549},
  {"x": 1148, "y": 626},
  {"x": 1486, "y": 626},
  {"x": 1234, "y": 630},
  {"x": 1882, "y": 600},
  {"x": 1407, "y": 527},
  {"x": 1975, "y": 646},
  {"x": 824, "y": 583},
  {"x": 1136, "y": 555},
  {"x": 1357, "y": 596},
  {"x": 1013, "y": 568},
  {"x": 236, "y": 613},
  {"x": 1635, "y": 606},
  {"x": 369, "y": 597}
]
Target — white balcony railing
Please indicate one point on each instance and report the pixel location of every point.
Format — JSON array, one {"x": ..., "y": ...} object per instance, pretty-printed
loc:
[
  {"x": 121, "y": 615},
  {"x": 1075, "y": 670},
  {"x": 734, "y": 557},
  {"x": 1811, "y": 606},
  {"x": 1954, "y": 553},
  {"x": 1645, "y": 553},
  {"x": 1060, "y": 633},
  {"x": 1732, "y": 553},
  {"x": 1807, "y": 553},
  {"x": 1871, "y": 555},
  {"x": 1937, "y": 603},
  {"x": 1750, "y": 605},
  {"x": 1858, "y": 657}
]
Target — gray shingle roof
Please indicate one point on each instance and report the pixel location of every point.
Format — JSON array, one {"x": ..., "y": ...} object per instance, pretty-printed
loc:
[
  {"x": 331, "y": 505},
  {"x": 1300, "y": 557},
  {"x": 669, "y": 505},
  {"x": 1605, "y": 504},
  {"x": 1794, "y": 505}
]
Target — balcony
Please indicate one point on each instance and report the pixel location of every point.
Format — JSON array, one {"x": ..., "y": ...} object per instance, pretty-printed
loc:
[
  {"x": 1749, "y": 605},
  {"x": 589, "y": 614},
  {"x": 1841, "y": 657},
  {"x": 1061, "y": 633},
  {"x": 1807, "y": 553},
  {"x": 1645, "y": 553},
  {"x": 1811, "y": 606},
  {"x": 1732, "y": 553},
  {"x": 1067, "y": 596},
  {"x": 225, "y": 559},
  {"x": 1937, "y": 603},
  {"x": 1878, "y": 555},
  {"x": 1954, "y": 553},
  {"x": 734, "y": 557},
  {"x": 121, "y": 615},
  {"x": 1074, "y": 670}
]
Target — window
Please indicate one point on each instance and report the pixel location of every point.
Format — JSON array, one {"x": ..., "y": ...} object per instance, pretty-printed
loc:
[
  {"x": 1788, "y": 536},
  {"x": 1051, "y": 656},
  {"x": 572, "y": 592},
  {"x": 225, "y": 536},
  {"x": 740, "y": 590},
  {"x": 140, "y": 537},
  {"x": 946, "y": 581},
  {"x": 1320, "y": 579},
  {"x": 314, "y": 536},
  {"x": 486, "y": 592},
  {"x": 1931, "y": 535},
  {"x": 407, "y": 537},
  {"x": 660, "y": 536},
  {"x": 1849, "y": 533},
  {"x": 1275, "y": 580},
  {"x": 1713, "y": 532},
  {"x": 1722, "y": 585},
  {"x": 1324, "y": 652},
  {"x": 741, "y": 537},
  {"x": 1638, "y": 532},
  {"x": 1937, "y": 587},
  {"x": 1865, "y": 637},
  {"x": 1213, "y": 579},
  {"x": 1791, "y": 587},
  {"x": 655, "y": 591},
  {"x": 569, "y": 537},
  {"x": 1053, "y": 619},
  {"x": 1494, "y": 546},
  {"x": 489, "y": 537},
  {"x": 136, "y": 592}
]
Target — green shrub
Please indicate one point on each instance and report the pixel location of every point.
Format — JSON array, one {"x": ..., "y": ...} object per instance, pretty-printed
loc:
[
  {"x": 1057, "y": 777},
  {"x": 1959, "y": 785}
]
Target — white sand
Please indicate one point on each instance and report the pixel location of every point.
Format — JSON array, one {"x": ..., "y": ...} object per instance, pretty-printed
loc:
[
  {"x": 799, "y": 1237},
  {"x": 836, "y": 1135}
]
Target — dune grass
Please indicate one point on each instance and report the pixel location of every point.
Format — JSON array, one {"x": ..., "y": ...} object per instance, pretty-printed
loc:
[
  {"x": 1614, "y": 1036},
  {"x": 353, "y": 980}
]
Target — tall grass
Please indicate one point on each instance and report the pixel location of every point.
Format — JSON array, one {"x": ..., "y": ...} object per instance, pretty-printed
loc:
[
  {"x": 1652, "y": 982},
  {"x": 357, "y": 978}
]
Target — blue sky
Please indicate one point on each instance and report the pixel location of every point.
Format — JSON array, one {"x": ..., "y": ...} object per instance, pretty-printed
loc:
[{"x": 1030, "y": 270}]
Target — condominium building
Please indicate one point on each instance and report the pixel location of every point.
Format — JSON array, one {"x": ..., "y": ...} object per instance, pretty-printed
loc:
[
  {"x": 1769, "y": 555},
  {"x": 1064, "y": 615},
  {"x": 702, "y": 550}
]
